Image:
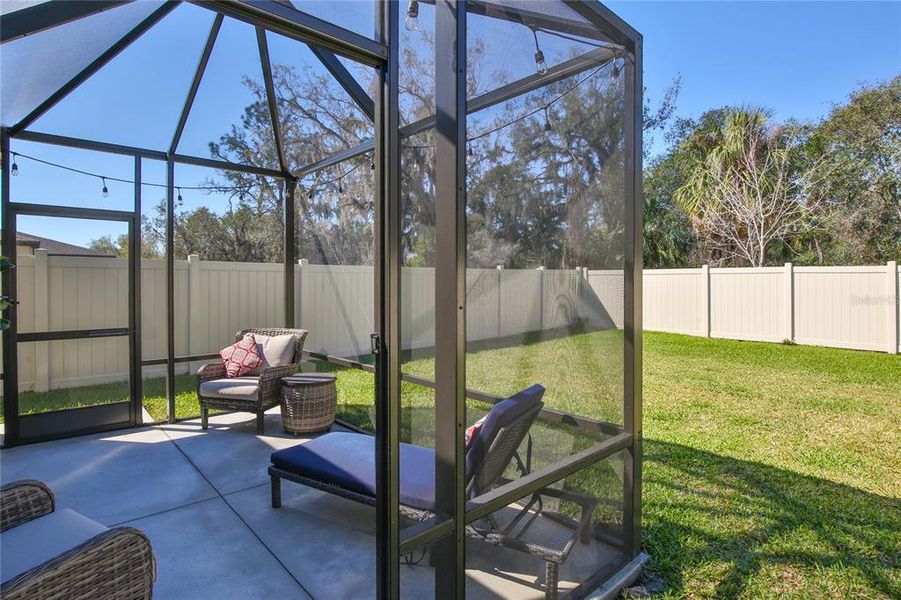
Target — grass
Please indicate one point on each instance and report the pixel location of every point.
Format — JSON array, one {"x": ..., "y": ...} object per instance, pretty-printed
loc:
[{"x": 770, "y": 470}]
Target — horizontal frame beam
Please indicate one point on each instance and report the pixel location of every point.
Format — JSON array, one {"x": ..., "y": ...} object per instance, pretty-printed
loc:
[
  {"x": 70, "y": 142},
  {"x": 424, "y": 532},
  {"x": 482, "y": 506},
  {"x": 531, "y": 18},
  {"x": 547, "y": 415},
  {"x": 287, "y": 21},
  {"x": 75, "y": 334},
  {"x": 573, "y": 66},
  {"x": 71, "y": 212}
]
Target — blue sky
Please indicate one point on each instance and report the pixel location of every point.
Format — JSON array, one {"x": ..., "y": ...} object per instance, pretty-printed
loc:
[{"x": 797, "y": 58}]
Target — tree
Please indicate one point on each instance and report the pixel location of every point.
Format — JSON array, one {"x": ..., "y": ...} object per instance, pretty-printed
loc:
[
  {"x": 745, "y": 192},
  {"x": 859, "y": 145},
  {"x": 106, "y": 244}
]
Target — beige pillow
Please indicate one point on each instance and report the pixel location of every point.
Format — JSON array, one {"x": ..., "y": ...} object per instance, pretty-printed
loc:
[{"x": 277, "y": 350}]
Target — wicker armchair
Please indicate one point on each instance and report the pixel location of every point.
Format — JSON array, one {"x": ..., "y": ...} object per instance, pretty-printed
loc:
[
  {"x": 64, "y": 555},
  {"x": 255, "y": 394}
]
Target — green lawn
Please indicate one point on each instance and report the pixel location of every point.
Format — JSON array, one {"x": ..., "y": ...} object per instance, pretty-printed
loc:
[{"x": 770, "y": 470}]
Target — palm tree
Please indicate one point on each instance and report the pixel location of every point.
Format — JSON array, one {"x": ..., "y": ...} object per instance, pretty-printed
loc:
[
  {"x": 717, "y": 147},
  {"x": 743, "y": 188}
]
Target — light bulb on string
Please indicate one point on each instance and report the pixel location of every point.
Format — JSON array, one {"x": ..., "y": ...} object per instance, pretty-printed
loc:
[
  {"x": 547, "y": 121},
  {"x": 14, "y": 169},
  {"x": 105, "y": 190},
  {"x": 541, "y": 66},
  {"x": 179, "y": 194},
  {"x": 412, "y": 20},
  {"x": 615, "y": 70}
]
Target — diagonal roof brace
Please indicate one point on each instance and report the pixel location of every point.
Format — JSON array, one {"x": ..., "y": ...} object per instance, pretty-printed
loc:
[
  {"x": 346, "y": 79},
  {"x": 195, "y": 84},
  {"x": 271, "y": 99},
  {"x": 32, "y": 19},
  {"x": 95, "y": 66},
  {"x": 573, "y": 66}
]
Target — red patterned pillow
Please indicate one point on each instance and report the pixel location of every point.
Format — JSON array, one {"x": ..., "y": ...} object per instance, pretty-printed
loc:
[
  {"x": 242, "y": 357},
  {"x": 473, "y": 430}
]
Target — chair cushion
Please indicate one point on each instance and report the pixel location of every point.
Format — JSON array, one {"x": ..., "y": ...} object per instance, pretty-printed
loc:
[
  {"x": 242, "y": 357},
  {"x": 232, "y": 388},
  {"x": 347, "y": 460},
  {"x": 277, "y": 350},
  {"x": 33, "y": 543},
  {"x": 501, "y": 414}
]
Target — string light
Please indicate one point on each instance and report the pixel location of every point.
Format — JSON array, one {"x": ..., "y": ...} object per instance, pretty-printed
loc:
[
  {"x": 14, "y": 169},
  {"x": 179, "y": 194},
  {"x": 105, "y": 190},
  {"x": 615, "y": 71},
  {"x": 547, "y": 121},
  {"x": 412, "y": 20},
  {"x": 539, "y": 55}
]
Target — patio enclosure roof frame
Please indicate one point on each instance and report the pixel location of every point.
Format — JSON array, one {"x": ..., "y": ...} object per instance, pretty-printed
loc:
[{"x": 326, "y": 40}]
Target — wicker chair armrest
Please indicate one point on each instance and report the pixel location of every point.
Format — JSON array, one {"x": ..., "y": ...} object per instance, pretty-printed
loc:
[
  {"x": 22, "y": 501},
  {"x": 271, "y": 380},
  {"x": 211, "y": 371},
  {"x": 118, "y": 563}
]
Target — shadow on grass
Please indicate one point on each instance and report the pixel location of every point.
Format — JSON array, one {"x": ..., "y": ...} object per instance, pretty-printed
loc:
[{"x": 704, "y": 511}]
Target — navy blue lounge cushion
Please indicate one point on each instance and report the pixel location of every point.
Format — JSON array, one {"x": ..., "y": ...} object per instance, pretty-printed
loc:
[{"x": 347, "y": 460}]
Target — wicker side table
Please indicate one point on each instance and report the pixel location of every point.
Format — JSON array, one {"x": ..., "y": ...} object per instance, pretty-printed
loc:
[{"x": 309, "y": 402}]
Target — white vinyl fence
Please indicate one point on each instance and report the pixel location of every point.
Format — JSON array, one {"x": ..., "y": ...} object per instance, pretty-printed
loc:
[
  {"x": 213, "y": 300},
  {"x": 846, "y": 307},
  {"x": 840, "y": 307}
]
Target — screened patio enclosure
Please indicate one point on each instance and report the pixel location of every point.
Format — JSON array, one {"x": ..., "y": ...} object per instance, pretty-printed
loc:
[{"x": 444, "y": 194}]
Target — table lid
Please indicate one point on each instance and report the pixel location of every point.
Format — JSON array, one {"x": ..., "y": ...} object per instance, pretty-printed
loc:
[{"x": 302, "y": 378}]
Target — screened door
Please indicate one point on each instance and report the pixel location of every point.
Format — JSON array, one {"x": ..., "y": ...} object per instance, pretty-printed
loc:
[{"x": 72, "y": 356}]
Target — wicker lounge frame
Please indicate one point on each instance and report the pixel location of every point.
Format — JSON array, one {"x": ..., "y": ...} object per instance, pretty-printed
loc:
[
  {"x": 270, "y": 380},
  {"x": 504, "y": 450},
  {"x": 117, "y": 563}
]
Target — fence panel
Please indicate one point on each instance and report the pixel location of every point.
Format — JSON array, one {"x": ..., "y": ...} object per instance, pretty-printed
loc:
[
  {"x": 674, "y": 300},
  {"x": 746, "y": 304},
  {"x": 842, "y": 307}
]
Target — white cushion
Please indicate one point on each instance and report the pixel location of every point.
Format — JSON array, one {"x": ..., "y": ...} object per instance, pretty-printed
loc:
[
  {"x": 231, "y": 388},
  {"x": 278, "y": 350},
  {"x": 33, "y": 543}
]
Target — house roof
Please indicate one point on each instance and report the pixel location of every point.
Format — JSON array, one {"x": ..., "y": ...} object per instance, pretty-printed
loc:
[{"x": 55, "y": 247}]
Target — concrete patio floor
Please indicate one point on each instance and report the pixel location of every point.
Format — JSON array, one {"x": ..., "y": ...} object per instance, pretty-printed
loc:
[{"x": 202, "y": 497}]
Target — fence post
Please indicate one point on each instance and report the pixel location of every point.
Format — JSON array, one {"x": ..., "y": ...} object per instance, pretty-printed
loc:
[
  {"x": 500, "y": 278},
  {"x": 195, "y": 308},
  {"x": 705, "y": 300},
  {"x": 541, "y": 299},
  {"x": 892, "y": 283},
  {"x": 41, "y": 320},
  {"x": 298, "y": 292},
  {"x": 788, "y": 317}
]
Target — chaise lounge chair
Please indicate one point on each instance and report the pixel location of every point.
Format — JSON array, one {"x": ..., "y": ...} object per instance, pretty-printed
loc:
[{"x": 343, "y": 464}]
